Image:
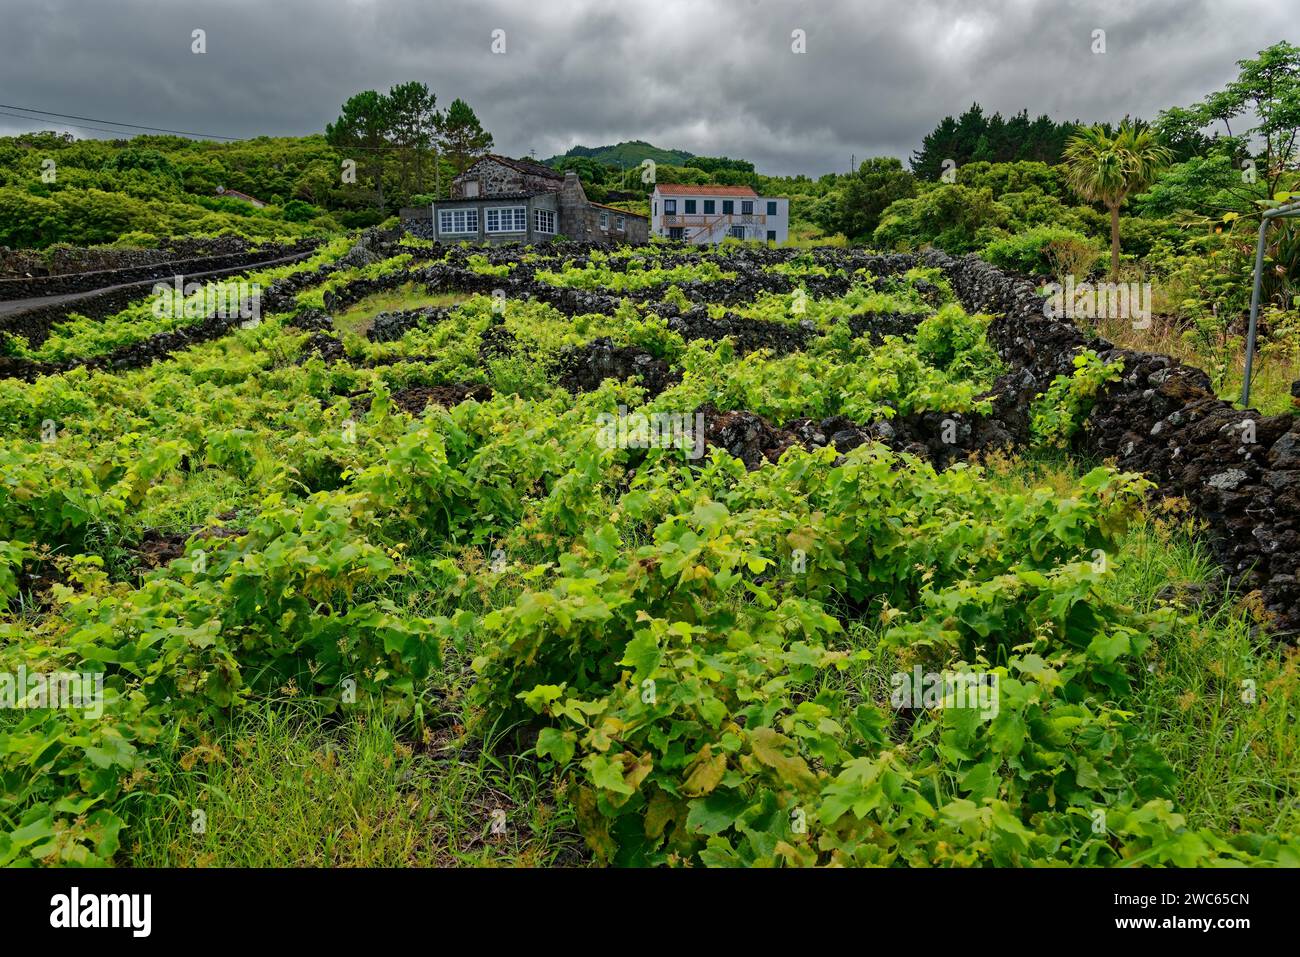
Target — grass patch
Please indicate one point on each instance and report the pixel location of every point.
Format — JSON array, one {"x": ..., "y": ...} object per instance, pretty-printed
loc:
[
  {"x": 282, "y": 787},
  {"x": 358, "y": 317}
]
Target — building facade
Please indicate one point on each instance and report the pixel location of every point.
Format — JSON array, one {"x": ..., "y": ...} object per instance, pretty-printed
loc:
[
  {"x": 710, "y": 214},
  {"x": 501, "y": 200}
]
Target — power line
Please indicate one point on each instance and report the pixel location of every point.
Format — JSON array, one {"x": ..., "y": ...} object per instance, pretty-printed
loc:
[
  {"x": 100, "y": 129},
  {"x": 153, "y": 129},
  {"x": 134, "y": 126},
  {"x": 75, "y": 126}
]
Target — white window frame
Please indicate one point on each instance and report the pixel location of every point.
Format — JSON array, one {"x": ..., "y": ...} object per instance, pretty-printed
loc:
[
  {"x": 469, "y": 221},
  {"x": 620, "y": 223},
  {"x": 670, "y": 207},
  {"x": 604, "y": 220},
  {"x": 517, "y": 216},
  {"x": 544, "y": 221}
]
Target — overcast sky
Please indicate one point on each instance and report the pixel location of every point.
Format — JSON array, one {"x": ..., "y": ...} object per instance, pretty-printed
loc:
[{"x": 715, "y": 77}]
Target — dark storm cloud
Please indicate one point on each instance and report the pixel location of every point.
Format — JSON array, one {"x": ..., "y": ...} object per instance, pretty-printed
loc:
[{"x": 710, "y": 76}]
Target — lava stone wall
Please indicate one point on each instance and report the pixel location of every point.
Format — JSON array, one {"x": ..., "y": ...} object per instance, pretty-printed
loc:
[
  {"x": 34, "y": 324},
  {"x": 68, "y": 283},
  {"x": 1239, "y": 469}
]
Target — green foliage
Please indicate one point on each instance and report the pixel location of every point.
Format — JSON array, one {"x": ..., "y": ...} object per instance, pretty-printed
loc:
[
  {"x": 954, "y": 218},
  {"x": 1030, "y": 252},
  {"x": 702, "y": 650},
  {"x": 854, "y": 208},
  {"x": 976, "y": 138},
  {"x": 1060, "y": 412},
  {"x": 461, "y": 136},
  {"x": 953, "y": 341}
]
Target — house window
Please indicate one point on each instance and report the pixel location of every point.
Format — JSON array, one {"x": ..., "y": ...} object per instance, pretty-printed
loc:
[
  {"x": 771, "y": 235},
  {"x": 747, "y": 207},
  {"x": 471, "y": 188},
  {"x": 676, "y": 232},
  {"x": 620, "y": 223},
  {"x": 656, "y": 207},
  {"x": 728, "y": 207},
  {"x": 710, "y": 207},
  {"x": 544, "y": 220},
  {"x": 604, "y": 220},
  {"x": 507, "y": 219},
  {"x": 771, "y": 207},
  {"x": 670, "y": 207},
  {"x": 458, "y": 221},
  {"x": 737, "y": 232},
  {"x": 690, "y": 207}
]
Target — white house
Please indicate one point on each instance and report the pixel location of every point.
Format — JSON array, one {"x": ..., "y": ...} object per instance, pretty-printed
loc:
[{"x": 710, "y": 214}]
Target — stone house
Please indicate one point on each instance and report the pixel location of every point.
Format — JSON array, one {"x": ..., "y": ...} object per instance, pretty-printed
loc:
[{"x": 500, "y": 200}]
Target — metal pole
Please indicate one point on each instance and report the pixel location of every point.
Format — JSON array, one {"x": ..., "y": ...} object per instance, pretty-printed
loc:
[
  {"x": 1254, "y": 310},
  {"x": 1280, "y": 212}
]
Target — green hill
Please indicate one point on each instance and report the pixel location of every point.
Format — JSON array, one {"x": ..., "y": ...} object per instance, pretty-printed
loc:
[{"x": 626, "y": 155}]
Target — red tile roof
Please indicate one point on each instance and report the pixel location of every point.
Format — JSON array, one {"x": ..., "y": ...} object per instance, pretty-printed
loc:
[{"x": 677, "y": 189}]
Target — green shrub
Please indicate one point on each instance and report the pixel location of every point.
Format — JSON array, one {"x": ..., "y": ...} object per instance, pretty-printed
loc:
[{"x": 1031, "y": 251}]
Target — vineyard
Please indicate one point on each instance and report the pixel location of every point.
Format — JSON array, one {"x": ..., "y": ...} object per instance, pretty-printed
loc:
[{"x": 650, "y": 555}]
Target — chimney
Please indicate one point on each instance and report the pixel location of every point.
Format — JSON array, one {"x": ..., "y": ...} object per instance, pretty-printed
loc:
[{"x": 573, "y": 207}]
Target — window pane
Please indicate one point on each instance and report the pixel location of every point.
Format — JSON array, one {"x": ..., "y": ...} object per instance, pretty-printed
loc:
[
  {"x": 771, "y": 208},
  {"x": 690, "y": 206},
  {"x": 710, "y": 206}
]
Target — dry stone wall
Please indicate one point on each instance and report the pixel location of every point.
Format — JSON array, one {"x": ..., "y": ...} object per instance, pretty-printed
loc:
[{"x": 1239, "y": 469}]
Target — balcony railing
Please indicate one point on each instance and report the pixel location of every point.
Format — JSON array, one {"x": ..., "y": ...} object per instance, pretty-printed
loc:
[{"x": 711, "y": 219}]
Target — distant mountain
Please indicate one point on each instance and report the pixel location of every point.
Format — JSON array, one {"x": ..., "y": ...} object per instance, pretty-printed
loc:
[{"x": 626, "y": 155}]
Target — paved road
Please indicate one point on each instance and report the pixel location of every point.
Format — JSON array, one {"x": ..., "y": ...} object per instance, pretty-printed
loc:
[{"x": 14, "y": 306}]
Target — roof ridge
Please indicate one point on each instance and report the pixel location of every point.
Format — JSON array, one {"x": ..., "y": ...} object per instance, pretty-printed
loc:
[
  {"x": 526, "y": 166},
  {"x": 704, "y": 188}
]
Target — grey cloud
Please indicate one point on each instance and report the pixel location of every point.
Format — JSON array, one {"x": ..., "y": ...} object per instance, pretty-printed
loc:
[{"x": 710, "y": 76}]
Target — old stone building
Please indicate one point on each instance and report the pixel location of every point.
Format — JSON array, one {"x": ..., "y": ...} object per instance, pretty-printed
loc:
[{"x": 499, "y": 200}]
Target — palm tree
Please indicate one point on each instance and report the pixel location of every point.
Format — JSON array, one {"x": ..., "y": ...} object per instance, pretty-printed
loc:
[{"x": 1106, "y": 168}]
